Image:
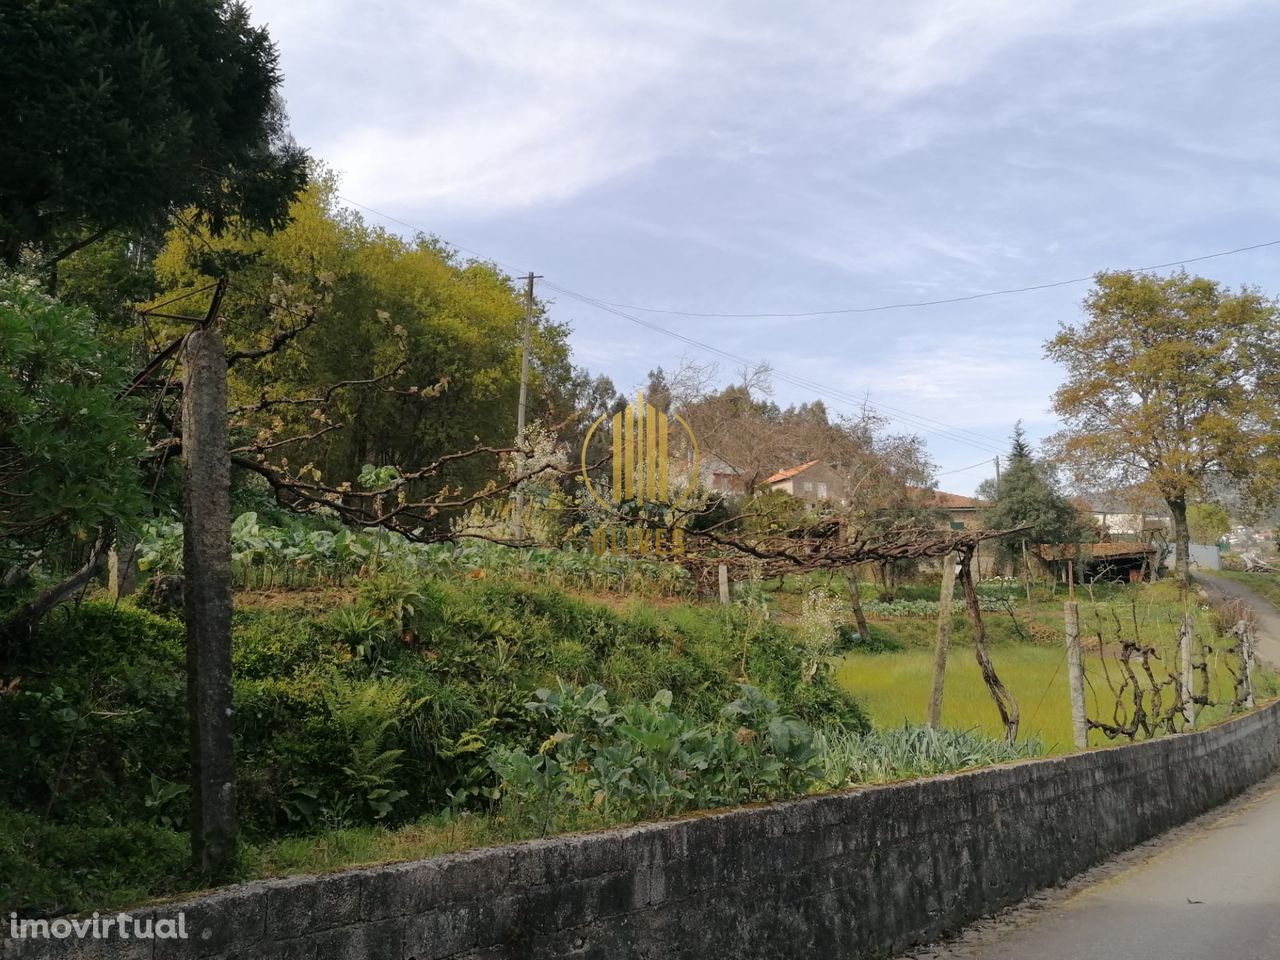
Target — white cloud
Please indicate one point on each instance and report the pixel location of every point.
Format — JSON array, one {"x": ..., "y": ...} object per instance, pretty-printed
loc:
[
  {"x": 749, "y": 156},
  {"x": 481, "y": 107}
]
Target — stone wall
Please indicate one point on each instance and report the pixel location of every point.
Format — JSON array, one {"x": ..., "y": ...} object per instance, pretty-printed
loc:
[{"x": 855, "y": 874}]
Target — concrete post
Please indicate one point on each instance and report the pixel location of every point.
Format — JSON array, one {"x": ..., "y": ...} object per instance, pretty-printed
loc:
[
  {"x": 1185, "y": 635},
  {"x": 1246, "y": 647},
  {"x": 1075, "y": 676},
  {"x": 724, "y": 583},
  {"x": 942, "y": 641},
  {"x": 206, "y": 555},
  {"x": 122, "y": 565}
]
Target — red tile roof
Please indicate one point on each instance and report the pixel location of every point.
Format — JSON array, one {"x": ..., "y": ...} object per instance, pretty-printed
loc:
[
  {"x": 1118, "y": 548},
  {"x": 951, "y": 500},
  {"x": 791, "y": 472},
  {"x": 947, "y": 501}
]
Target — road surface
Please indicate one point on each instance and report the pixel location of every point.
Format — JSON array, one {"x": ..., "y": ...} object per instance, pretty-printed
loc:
[{"x": 1209, "y": 890}]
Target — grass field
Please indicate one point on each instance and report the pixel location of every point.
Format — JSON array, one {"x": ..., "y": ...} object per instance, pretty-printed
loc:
[{"x": 894, "y": 687}]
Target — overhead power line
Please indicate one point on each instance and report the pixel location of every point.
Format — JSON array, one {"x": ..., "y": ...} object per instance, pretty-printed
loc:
[
  {"x": 933, "y": 303},
  {"x": 957, "y": 434},
  {"x": 972, "y": 466},
  {"x": 904, "y": 305},
  {"x": 916, "y": 421},
  {"x": 416, "y": 229}
]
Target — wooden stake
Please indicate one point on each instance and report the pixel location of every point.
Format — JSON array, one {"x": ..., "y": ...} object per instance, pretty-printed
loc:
[
  {"x": 1075, "y": 675},
  {"x": 943, "y": 640},
  {"x": 1004, "y": 701},
  {"x": 1246, "y": 647}
]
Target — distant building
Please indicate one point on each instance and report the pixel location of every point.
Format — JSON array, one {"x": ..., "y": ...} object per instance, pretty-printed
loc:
[
  {"x": 1120, "y": 561},
  {"x": 720, "y": 476},
  {"x": 963, "y": 513},
  {"x": 1135, "y": 518},
  {"x": 713, "y": 473},
  {"x": 813, "y": 482}
]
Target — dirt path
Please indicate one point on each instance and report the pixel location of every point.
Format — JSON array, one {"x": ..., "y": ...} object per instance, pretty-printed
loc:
[{"x": 1268, "y": 616}]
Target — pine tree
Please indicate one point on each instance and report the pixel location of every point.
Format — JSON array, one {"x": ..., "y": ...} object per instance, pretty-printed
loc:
[{"x": 1028, "y": 495}]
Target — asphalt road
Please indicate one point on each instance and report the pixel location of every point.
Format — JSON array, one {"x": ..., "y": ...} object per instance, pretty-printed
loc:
[
  {"x": 1206, "y": 891},
  {"x": 1210, "y": 891}
]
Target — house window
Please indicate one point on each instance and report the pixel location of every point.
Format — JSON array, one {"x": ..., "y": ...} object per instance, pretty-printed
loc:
[
  {"x": 822, "y": 491},
  {"x": 808, "y": 486}
]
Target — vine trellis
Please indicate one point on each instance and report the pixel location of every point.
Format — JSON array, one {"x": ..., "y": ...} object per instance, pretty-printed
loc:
[{"x": 1149, "y": 695}]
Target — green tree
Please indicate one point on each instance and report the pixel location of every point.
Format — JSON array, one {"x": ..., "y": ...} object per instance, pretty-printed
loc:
[
  {"x": 1207, "y": 522},
  {"x": 1028, "y": 495},
  {"x": 443, "y": 333},
  {"x": 68, "y": 448},
  {"x": 116, "y": 113},
  {"x": 109, "y": 277},
  {"x": 1171, "y": 382}
]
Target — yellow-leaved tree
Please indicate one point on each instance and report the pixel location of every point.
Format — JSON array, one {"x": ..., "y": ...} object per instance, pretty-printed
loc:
[{"x": 1171, "y": 382}]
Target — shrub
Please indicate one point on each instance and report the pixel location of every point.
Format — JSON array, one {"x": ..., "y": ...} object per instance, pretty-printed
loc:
[
  {"x": 381, "y": 711},
  {"x": 97, "y": 712},
  {"x": 905, "y": 752},
  {"x": 47, "y": 869},
  {"x": 68, "y": 444},
  {"x": 848, "y": 640}
]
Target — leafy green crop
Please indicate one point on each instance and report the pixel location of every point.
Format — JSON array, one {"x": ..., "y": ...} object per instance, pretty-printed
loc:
[
  {"x": 642, "y": 760},
  {"x": 924, "y": 608}
]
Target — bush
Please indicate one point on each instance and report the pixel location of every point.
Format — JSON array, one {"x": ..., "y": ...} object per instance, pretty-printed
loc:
[
  {"x": 882, "y": 756},
  {"x": 848, "y": 640},
  {"x": 69, "y": 447},
  {"x": 47, "y": 869},
  {"x": 100, "y": 708},
  {"x": 384, "y": 711},
  {"x": 603, "y": 761}
]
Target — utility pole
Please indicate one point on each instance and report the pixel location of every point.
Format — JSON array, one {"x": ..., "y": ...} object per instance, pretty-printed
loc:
[
  {"x": 524, "y": 351},
  {"x": 526, "y": 347},
  {"x": 997, "y": 471}
]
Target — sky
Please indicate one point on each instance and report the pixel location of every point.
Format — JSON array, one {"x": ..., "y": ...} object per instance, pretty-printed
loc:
[{"x": 765, "y": 158}]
